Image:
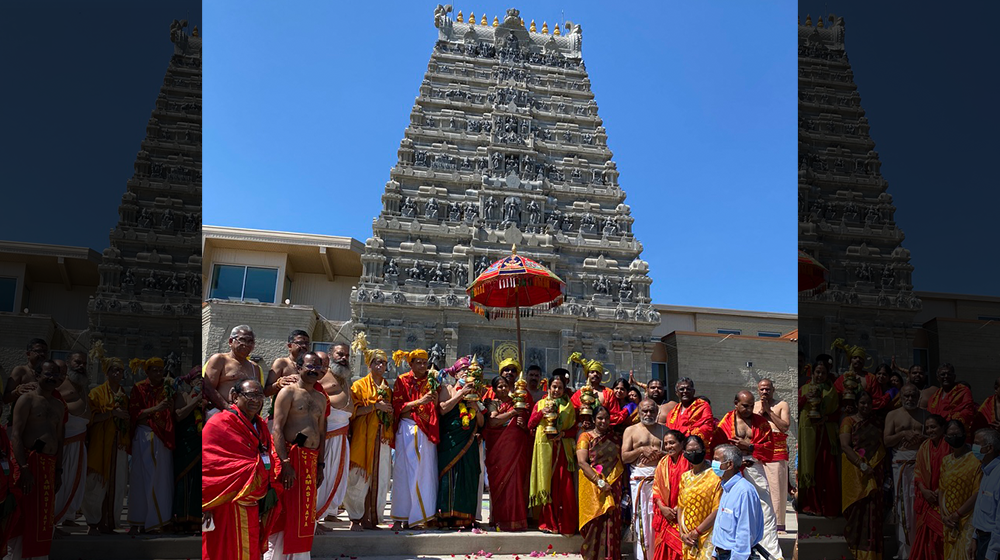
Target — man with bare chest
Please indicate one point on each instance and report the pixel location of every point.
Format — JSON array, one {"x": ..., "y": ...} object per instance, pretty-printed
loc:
[
  {"x": 299, "y": 432},
  {"x": 904, "y": 432},
  {"x": 642, "y": 447},
  {"x": 23, "y": 377},
  {"x": 284, "y": 370},
  {"x": 36, "y": 438},
  {"x": 223, "y": 371},
  {"x": 337, "y": 456},
  {"x": 776, "y": 469},
  {"x": 74, "y": 457}
]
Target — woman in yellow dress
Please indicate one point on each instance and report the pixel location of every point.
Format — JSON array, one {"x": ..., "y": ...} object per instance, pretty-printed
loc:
[
  {"x": 960, "y": 476},
  {"x": 598, "y": 455},
  {"x": 698, "y": 502}
]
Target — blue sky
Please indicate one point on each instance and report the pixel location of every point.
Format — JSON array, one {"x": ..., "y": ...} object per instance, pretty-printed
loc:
[{"x": 305, "y": 105}]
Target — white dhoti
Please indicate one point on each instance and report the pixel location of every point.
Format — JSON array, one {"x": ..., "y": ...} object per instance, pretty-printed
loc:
[
  {"x": 359, "y": 482},
  {"x": 903, "y": 463},
  {"x": 482, "y": 480},
  {"x": 337, "y": 456},
  {"x": 777, "y": 484},
  {"x": 97, "y": 488},
  {"x": 756, "y": 476},
  {"x": 642, "y": 510},
  {"x": 414, "y": 475},
  {"x": 14, "y": 547},
  {"x": 276, "y": 543},
  {"x": 69, "y": 498},
  {"x": 151, "y": 482}
]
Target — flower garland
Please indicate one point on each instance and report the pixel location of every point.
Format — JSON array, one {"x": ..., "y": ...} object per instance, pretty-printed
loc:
[
  {"x": 466, "y": 415},
  {"x": 382, "y": 393}
]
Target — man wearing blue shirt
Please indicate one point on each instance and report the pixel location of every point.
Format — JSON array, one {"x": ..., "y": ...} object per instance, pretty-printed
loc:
[
  {"x": 987, "y": 449},
  {"x": 739, "y": 524}
]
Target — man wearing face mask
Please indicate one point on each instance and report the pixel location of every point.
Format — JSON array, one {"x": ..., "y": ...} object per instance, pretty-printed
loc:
[
  {"x": 904, "y": 432},
  {"x": 739, "y": 522},
  {"x": 642, "y": 447},
  {"x": 984, "y": 519},
  {"x": 751, "y": 434}
]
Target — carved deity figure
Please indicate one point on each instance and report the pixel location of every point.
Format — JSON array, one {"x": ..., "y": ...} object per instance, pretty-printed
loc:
[
  {"x": 588, "y": 224},
  {"x": 431, "y": 210},
  {"x": 415, "y": 272},
  {"x": 512, "y": 209},
  {"x": 491, "y": 208},
  {"x": 461, "y": 275},
  {"x": 602, "y": 285},
  {"x": 391, "y": 268},
  {"x": 455, "y": 212},
  {"x": 610, "y": 226},
  {"x": 409, "y": 209},
  {"x": 625, "y": 291},
  {"x": 436, "y": 355},
  {"x": 439, "y": 274},
  {"x": 534, "y": 212}
]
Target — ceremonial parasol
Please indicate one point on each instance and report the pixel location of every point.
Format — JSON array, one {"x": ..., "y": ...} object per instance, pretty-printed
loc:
[
  {"x": 812, "y": 275},
  {"x": 515, "y": 286}
]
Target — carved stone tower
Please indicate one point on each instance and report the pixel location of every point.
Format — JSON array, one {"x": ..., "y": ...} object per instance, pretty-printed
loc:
[
  {"x": 505, "y": 147},
  {"x": 846, "y": 217},
  {"x": 150, "y": 279}
]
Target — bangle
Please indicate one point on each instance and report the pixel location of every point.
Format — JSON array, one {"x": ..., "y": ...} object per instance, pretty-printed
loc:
[{"x": 697, "y": 531}]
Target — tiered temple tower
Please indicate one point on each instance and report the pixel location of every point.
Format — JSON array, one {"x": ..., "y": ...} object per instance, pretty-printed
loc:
[
  {"x": 505, "y": 147},
  {"x": 846, "y": 215},
  {"x": 150, "y": 279}
]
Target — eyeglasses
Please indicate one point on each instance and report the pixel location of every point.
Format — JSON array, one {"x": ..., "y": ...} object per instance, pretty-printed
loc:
[
  {"x": 255, "y": 396},
  {"x": 314, "y": 368}
]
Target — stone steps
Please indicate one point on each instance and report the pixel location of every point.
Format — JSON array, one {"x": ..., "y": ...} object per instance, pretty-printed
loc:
[
  {"x": 443, "y": 543},
  {"x": 822, "y": 538},
  {"x": 123, "y": 547}
]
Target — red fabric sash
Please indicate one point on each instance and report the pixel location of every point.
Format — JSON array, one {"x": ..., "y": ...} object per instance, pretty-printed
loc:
[
  {"x": 986, "y": 415},
  {"x": 696, "y": 420},
  {"x": 666, "y": 534},
  {"x": 780, "y": 441},
  {"x": 236, "y": 535},
  {"x": 230, "y": 459},
  {"x": 760, "y": 435},
  {"x": 144, "y": 396},
  {"x": 297, "y": 517},
  {"x": 38, "y": 507},
  {"x": 407, "y": 389}
]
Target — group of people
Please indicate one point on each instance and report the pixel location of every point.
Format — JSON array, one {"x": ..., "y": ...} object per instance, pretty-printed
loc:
[
  {"x": 69, "y": 450},
  {"x": 599, "y": 461},
  {"x": 921, "y": 456}
]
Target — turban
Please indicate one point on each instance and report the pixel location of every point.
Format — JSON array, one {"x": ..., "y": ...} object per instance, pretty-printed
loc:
[
  {"x": 360, "y": 344},
  {"x": 108, "y": 363},
  {"x": 154, "y": 362},
  {"x": 510, "y": 362},
  {"x": 400, "y": 355},
  {"x": 851, "y": 351},
  {"x": 458, "y": 366},
  {"x": 588, "y": 365}
]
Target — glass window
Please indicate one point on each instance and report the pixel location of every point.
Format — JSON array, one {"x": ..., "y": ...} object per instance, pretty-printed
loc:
[
  {"x": 244, "y": 283},
  {"x": 730, "y": 331},
  {"x": 8, "y": 287},
  {"x": 769, "y": 334},
  {"x": 321, "y": 347}
]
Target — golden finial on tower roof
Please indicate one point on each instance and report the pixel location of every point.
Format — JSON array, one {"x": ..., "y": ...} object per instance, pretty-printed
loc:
[
  {"x": 556, "y": 32},
  {"x": 458, "y": 18},
  {"x": 545, "y": 28},
  {"x": 472, "y": 18},
  {"x": 522, "y": 22},
  {"x": 496, "y": 21},
  {"x": 819, "y": 23},
  {"x": 194, "y": 32},
  {"x": 484, "y": 20},
  {"x": 533, "y": 29},
  {"x": 809, "y": 20}
]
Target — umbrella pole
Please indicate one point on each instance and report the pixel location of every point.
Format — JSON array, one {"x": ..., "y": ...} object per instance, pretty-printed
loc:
[{"x": 517, "y": 311}]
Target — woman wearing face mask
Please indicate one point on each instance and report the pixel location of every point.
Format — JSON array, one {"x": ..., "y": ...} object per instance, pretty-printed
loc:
[
  {"x": 927, "y": 542},
  {"x": 697, "y": 502},
  {"x": 818, "y": 484},
  {"x": 553, "y": 460},
  {"x": 667, "y": 543},
  {"x": 862, "y": 472},
  {"x": 960, "y": 476},
  {"x": 601, "y": 470}
]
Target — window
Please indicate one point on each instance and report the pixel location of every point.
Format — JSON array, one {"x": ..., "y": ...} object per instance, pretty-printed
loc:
[
  {"x": 8, "y": 287},
  {"x": 244, "y": 283},
  {"x": 660, "y": 372},
  {"x": 730, "y": 331},
  {"x": 321, "y": 347},
  {"x": 769, "y": 334}
]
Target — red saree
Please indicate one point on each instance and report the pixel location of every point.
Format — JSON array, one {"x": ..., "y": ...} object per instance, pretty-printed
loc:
[
  {"x": 508, "y": 464},
  {"x": 928, "y": 544},
  {"x": 667, "y": 543}
]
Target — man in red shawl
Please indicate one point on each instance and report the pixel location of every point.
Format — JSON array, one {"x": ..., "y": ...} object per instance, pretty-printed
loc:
[
  {"x": 953, "y": 401},
  {"x": 236, "y": 473},
  {"x": 691, "y": 416},
  {"x": 989, "y": 412},
  {"x": 299, "y": 434},
  {"x": 865, "y": 380},
  {"x": 605, "y": 395},
  {"x": 415, "y": 469},
  {"x": 751, "y": 433},
  {"x": 151, "y": 480}
]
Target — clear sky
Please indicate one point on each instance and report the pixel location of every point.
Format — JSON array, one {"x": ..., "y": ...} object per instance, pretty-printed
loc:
[
  {"x": 928, "y": 84},
  {"x": 305, "y": 107},
  {"x": 80, "y": 82}
]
